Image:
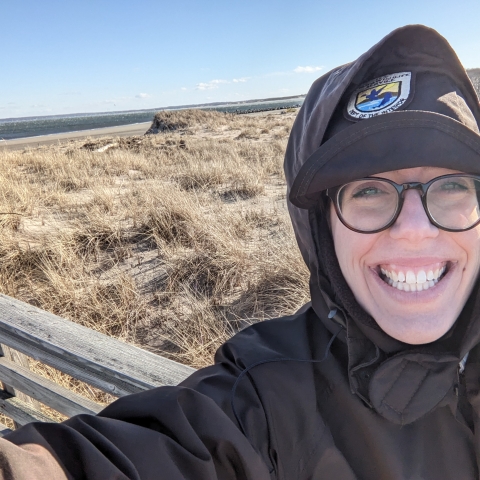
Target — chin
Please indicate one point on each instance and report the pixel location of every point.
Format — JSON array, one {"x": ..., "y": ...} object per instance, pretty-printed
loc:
[{"x": 417, "y": 331}]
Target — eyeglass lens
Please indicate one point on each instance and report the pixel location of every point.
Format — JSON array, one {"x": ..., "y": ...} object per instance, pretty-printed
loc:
[{"x": 371, "y": 204}]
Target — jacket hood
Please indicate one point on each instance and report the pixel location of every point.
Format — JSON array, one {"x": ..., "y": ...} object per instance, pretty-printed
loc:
[{"x": 361, "y": 119}]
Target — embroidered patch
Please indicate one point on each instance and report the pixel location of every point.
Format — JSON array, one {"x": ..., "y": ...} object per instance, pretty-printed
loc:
[{"x": 381, "y": 95}]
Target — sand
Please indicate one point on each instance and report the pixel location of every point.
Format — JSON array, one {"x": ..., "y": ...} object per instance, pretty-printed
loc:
[{"x": 119, "y": 131}]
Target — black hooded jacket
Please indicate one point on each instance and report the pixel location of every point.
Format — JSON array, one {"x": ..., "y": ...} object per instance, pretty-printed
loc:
[{"x": 324, "y": 394}]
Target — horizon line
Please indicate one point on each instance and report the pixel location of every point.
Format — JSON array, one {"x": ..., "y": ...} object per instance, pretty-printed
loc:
[{"x": 154, "y": 109}]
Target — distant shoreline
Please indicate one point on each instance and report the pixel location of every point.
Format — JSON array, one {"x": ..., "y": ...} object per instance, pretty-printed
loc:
[
  {"x": 116, "y": 131},
  {"x": 42, "y": 126},
  {"x": 50, "y": 139},
  {"x": 156, "y": 109}
]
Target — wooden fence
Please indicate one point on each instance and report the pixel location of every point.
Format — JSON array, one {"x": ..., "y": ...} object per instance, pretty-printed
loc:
[{"x": 96, "y": 359}]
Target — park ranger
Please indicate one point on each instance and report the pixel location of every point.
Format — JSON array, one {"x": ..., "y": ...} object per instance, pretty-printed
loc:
[{"x": 378, "y": 376}]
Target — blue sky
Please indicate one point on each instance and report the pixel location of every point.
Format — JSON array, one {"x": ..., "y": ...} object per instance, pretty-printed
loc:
[{"x": 100, "y": 55}]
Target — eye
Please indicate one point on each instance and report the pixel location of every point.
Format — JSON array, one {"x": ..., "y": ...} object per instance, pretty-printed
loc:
[
  {"x": 453, "y": 186},
  {"x": 367, "y": 192}
]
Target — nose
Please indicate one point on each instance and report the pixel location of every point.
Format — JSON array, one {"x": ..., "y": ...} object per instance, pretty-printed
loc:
[{"x": 413, "y": 224}]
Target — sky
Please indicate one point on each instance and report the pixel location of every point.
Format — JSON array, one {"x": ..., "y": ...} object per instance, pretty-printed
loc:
[{"x": 73, "y": 56}]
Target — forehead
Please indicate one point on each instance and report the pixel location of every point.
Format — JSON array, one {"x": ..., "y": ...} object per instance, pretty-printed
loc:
[{"x": 417, "y": 174}]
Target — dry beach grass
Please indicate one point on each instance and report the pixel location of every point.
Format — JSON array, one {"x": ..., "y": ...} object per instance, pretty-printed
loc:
[{"x": 170, "y": 241}]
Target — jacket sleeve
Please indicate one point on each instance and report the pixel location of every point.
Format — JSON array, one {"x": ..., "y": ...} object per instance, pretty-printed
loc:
[{"x": 184, "y": 432}]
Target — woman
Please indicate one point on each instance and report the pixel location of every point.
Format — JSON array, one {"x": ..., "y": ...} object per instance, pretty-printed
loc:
[{"x": 377, "y": 378}]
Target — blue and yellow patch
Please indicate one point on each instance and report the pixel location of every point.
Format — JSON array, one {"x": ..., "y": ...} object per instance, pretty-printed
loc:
[
  {"x": 376, "y": 98},
  {"x": 381, "y": 95}
]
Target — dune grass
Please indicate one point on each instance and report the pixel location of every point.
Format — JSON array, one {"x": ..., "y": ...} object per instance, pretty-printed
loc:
[{"x": 171, "y": 241}]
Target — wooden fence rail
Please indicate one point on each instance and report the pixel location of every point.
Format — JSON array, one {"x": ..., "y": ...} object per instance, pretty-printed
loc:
[{"x": 101, "y": 361}]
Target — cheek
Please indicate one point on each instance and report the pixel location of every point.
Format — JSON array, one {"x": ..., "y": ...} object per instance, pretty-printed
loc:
[
  {"x": 351, "y": 249},
  {"x": 470, "y": 243}
]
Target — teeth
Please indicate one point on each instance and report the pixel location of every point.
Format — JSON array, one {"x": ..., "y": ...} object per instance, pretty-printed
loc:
[
  {"x": 421, "y": 277},
  {"x": 410, "y": 282},
  {"x": 411, "y": 278}
]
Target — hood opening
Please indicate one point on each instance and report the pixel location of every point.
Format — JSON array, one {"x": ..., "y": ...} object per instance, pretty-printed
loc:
[
  {"x": 407, "y": 102},
  {"x": 434, "y": 123}
]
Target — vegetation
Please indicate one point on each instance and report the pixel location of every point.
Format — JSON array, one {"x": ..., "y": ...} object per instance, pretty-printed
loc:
[{"x": 171, "y": 241}]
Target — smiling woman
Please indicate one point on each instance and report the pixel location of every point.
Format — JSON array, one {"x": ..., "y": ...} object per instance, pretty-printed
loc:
[
  {"x": 405, "y": 235},
  {"x": 378, "y": 376},
  {"x": 413, "y": 277}
]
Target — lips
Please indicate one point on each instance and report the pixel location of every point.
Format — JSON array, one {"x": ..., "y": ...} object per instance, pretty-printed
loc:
[{"x": 410, "y": 279}]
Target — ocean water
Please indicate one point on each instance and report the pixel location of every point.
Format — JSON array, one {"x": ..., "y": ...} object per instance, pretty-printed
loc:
[{"x": 36, "y": 126}]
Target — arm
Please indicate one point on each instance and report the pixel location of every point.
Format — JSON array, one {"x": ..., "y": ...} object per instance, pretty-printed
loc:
[{"x": 185, "y": 432}]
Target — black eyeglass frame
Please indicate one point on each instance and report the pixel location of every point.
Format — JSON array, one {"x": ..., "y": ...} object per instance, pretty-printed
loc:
[{"x": 332, "y": 193}]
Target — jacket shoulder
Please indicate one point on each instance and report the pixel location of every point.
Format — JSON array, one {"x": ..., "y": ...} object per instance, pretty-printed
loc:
[{"x": 289, "y": 336}]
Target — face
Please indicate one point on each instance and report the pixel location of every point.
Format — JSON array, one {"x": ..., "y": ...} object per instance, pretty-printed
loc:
[{"x": 412, "y": 246}]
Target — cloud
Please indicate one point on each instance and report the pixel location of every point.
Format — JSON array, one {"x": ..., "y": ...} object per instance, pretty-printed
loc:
[
  {"x": 241, "y": 80},
  {"x": 307, "y": 69},
  {"x": 142, "y": 95},
  {"x": 210, "y": 85},
  {"x": 184, "y": 88}
]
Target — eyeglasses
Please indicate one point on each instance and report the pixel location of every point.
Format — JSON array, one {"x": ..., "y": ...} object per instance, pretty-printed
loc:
[{"x": 372, "y": 204}]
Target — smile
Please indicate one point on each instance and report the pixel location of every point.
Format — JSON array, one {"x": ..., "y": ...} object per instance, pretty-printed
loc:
[{"x": 413, "y": 279}]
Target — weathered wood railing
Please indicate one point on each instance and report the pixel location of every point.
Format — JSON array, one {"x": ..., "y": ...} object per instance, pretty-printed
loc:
[{"x": 101, "y": 361}]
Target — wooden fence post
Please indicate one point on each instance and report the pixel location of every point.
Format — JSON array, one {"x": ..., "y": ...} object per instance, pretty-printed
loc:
[{"x": 21, "y": 359}]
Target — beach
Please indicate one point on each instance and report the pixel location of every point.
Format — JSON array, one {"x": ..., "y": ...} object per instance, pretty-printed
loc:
[
  {"x": 159, "y": 240},
  {"x": 33, "y": 142},
  {"x": 131, "y": 234}
]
